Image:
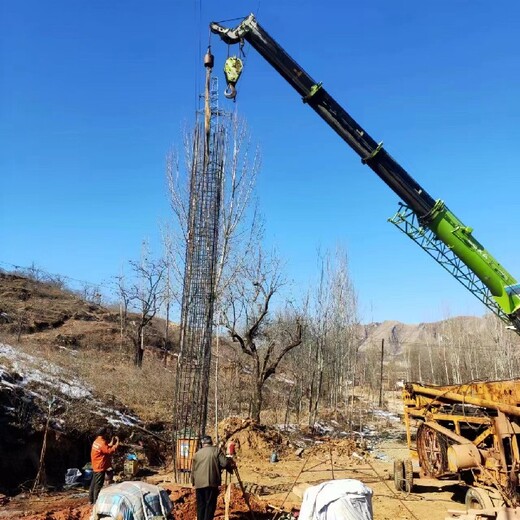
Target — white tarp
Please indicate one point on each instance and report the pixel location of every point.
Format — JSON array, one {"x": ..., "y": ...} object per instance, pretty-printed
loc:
[{"x": 345, "y": 499}]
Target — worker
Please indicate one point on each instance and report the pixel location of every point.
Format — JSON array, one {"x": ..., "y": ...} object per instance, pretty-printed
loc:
[
  {"x": 101, "y": 457},
  {"x": 208, "y": 464}
]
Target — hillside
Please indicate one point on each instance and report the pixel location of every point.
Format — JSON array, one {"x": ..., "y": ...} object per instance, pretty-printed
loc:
[
  {"x": 48, "y": 313},
  {"x": 58, "y": 363},
  {"x": 56, "y": 346}
]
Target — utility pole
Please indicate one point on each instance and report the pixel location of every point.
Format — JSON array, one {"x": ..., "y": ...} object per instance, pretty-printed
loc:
[{"x": 381, "y": 375}]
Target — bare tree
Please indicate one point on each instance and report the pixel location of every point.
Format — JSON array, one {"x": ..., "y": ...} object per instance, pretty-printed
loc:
[
  {"x": 144, "y": 295},
  {"x": 319, "y": 328},
  {"x": 169, "y": 292},
  {"x": 240, "y": 226},
  {"x": 247, "y": 316},
  {"x": 504, "y": 344},
  {"x": 462, "y": 349},
  {"x": 330, "y": 342}
]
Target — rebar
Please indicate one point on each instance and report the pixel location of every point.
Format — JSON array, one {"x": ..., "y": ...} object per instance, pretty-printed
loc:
[{"x": 199, "y": 291}]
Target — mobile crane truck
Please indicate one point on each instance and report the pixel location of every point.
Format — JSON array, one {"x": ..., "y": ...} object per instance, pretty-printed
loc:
[{"x": 472, "y": 430}]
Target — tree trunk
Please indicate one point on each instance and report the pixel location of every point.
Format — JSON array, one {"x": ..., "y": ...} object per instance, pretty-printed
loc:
[
  {"x": 256, "y": 407},
  {"x": 139, "y": 350},
  {"x": 314, "y": 415},
  {"x": 288, "y": 407}
]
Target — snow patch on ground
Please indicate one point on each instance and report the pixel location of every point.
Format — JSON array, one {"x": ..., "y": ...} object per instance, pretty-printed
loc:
[
  {"x": 387, "y": 415},
  {"x": 48, "y": 381},
  {"x": 48, "y": 374}
]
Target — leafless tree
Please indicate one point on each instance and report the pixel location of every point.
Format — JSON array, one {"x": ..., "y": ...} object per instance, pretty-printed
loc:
[
  {"x": 462, "y": 349},
  {"x": 144, "y": 296},
  {"x": 169, "y": 290},
  {"x": 91, "y": 293},
  {"x": 247, "y": 314},
  {"x": 21, "y": 322},
  {"x": 319, "y": 328},
  {"x": 35, "y": 273},
  {"x": 330, "y": 342},
  {"x": 504, "y": 345},
  {"x": 240, "y": 226}
]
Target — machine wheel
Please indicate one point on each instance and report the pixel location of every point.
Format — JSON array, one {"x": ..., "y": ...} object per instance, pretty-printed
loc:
[
  {"x": 432, "y": 448},
  {"x": 408, "y": 475},
  {"x": 477, "y": 498},
  {"x": 399, "y": 475}
]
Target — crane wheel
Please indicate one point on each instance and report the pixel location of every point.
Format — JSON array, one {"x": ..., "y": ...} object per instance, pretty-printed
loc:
[
  {"x": 399, "y": 475},
  {"x": 478, "y": 498}
]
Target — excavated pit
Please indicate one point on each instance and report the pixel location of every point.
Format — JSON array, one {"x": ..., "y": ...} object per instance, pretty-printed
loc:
[{"x": 22, "y": 427}]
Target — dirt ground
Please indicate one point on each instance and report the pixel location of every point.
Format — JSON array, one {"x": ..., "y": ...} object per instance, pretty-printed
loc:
[{"x": 270, "y": 486}]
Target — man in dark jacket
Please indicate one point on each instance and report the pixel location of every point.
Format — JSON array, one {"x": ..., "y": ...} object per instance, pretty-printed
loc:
[{"x": 208, "y": 463}]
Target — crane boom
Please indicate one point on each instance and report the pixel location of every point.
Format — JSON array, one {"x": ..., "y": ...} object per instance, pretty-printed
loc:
[{"x": 432, "y": 214}]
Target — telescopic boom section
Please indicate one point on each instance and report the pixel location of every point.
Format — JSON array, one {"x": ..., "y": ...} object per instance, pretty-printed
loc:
[
  {"x": 431, "y": 213},
  {"x": 329, "y": 110}
]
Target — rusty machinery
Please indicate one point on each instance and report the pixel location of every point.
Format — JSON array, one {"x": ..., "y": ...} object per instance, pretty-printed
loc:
[{"x": 470, "y": 432}]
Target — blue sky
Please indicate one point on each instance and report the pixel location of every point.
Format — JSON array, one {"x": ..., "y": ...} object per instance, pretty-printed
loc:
[{"x": 93, "y": 94}]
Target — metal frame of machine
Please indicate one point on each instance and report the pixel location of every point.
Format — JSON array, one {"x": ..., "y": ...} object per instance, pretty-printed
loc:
[{"x": 470, "y": 431}]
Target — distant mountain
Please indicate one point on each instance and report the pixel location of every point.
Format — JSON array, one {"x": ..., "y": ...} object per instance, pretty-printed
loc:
[{"x": 398, "y": 335}]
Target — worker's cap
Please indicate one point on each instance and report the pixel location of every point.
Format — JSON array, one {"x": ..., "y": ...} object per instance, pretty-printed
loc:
[{"x": 206, "y": 440}]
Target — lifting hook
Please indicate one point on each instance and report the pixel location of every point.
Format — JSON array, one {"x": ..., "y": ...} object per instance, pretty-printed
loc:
[{"x": 232, "y": 70}]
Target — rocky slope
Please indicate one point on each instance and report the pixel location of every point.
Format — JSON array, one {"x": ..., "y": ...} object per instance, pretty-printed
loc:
[{"x": 397, "y": 335}]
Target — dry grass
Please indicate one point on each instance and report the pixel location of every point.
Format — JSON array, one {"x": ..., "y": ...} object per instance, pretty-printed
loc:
[
  {"x": 148, "y": 391},
  {"x": 53, "y": 324},
  {"x": 112, "y": 377}
]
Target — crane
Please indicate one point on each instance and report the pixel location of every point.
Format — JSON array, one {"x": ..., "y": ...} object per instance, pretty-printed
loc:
[{"x": 426, "y": 220}]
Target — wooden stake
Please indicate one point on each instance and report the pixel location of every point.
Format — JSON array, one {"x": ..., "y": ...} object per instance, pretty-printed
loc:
[
  {"x": 331, "y": 463},
  {"x": 227, "y": 500},
  {"x": 244, "y": 494},
  {"x": 41, "y": 465}
]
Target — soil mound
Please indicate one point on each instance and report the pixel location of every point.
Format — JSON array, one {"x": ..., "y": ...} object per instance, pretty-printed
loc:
[
  {"x": 251, "y": 438},
  {"x": 336, "y": 448},
  {"x": 56, "y": 506},
  {"x": 73, "y": 513}
]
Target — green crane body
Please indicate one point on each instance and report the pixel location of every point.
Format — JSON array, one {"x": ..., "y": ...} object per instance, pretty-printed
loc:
[
  {"x": 504, "y": 291},
  {"x": 458, "y": 237}
]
